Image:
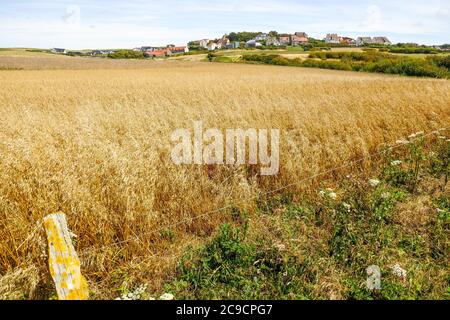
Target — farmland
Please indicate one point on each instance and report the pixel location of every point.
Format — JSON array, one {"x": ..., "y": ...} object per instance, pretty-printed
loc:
[{"x": 90, "y": 137}]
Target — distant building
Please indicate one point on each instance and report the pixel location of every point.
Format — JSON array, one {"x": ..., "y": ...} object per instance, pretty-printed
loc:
[
  {"x": 332, "y": 38},
  {"x": 102, "y": 52},
  {"x": 203, "y": 43},
  {"x": 212, "y": 46},
  {"x": 348, "y": 41},
  {"x": 59, "y": 50},
  {"x": 285, "y": 40},
  {"x": 361, "y": 41},
  {"x": 253, "y": 44},
  {"x": 158, "y": 53},
  {"x": 149, "y": 48},
  {"x": 272, "y": 41},
  {"x": 177, "y": 50},
  {"x": 299, "y": 38},
  {"x": 234, "y": 45},
  {"x": 381, "y": 40},
  {"x": 261, "y": 37},
  {"x": 301, "y": 34},
  {"x": 222, "y": 43}
]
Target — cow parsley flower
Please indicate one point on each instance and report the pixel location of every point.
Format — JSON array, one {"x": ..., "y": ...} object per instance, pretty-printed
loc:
[
  {"x": 328, "y": 193},
  {"x": 166, "y": 296},
  {"x": 332, "y": 195},
  {"x": 374, "y": 182},
  {"x": 396, "y": 163},
  {"x": 347, "y": 206},
  {"x": 399, "y": 271},
  {"x": 134, "y": 295}
]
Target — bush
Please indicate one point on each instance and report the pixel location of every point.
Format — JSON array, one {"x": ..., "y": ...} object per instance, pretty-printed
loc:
[
  {"x": 443, "y": 62},
  {"x": 414, "y": 50},
  {"x": 410, "y": 67},
  {"x": 371, "y": 61},
  {"x": 127, "y": 54}
]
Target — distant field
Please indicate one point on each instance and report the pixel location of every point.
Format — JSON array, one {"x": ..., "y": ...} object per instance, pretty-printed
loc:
[
  {"x": 22, "y": 59},
  {"x": 24, "y": 53},
  {"x": 90, "y": 138}
]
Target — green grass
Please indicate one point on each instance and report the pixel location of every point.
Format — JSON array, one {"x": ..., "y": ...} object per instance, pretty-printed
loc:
[{"x": 318, "y": 246}]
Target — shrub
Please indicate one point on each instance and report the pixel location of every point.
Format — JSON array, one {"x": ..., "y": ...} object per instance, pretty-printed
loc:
[
  {"x": 408, "y": 67},
  {"x": 127, "y": 54}
]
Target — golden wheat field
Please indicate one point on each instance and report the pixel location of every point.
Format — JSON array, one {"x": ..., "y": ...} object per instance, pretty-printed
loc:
[{"x": 93, "y": 141}]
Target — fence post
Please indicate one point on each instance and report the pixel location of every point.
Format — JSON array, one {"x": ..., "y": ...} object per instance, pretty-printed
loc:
[{"x": 63, "y": 261}]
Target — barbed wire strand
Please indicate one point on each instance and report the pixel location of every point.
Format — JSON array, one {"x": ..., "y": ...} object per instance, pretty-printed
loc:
[
  {"x": 312, "y": 177},
  {"x": 208, "y": 213}
]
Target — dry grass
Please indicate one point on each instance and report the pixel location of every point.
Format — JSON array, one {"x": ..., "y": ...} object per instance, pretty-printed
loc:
[
  {"x": 25, "y": 60},
  {"x": 95, "y": 145}
]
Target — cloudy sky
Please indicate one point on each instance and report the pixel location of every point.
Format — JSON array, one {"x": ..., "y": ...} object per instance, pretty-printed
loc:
[{"x": 80, "y": 24}]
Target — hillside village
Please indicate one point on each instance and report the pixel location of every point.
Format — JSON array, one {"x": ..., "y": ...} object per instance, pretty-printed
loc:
[
  {"x": 274, "y": 39},
  {"x": 247, "y": 40},
  {"x": 259, "y": 40}
]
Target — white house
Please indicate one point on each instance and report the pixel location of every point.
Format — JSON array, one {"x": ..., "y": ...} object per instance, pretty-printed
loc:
[
  {"x": 261, "y": 37},
  {"x": 222, "y": 43},
  {"x": 253, "y": 44},
  {"x": 212, "y": 46},
  {"x": 332, "y": 38},
  {"x": 381, "y": 40},
  {"x": 273, "y": 41},
  {"x": 360, "y": 41},
  {"x": 203, "y": 43}
]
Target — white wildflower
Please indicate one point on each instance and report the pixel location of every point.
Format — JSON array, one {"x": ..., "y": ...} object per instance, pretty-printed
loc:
[
  {"x": 134, "y": 295},
  {"x": 399, "y": 271},
  {"x": 347, "y": 206},
  {"x": 374, "y": 182},
  {"x": 385, "y": 195},
  {"x": 166, "y": 296},
  {"x": 396, "y": 163},
  {"x": 328, "y": 193}
]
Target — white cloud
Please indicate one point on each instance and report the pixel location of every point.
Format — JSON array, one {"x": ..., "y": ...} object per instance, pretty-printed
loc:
[
  {"x": 112, "y": 23},
  {"x": 372, "y": 18},
  {"x": 443, "y": 13},
  {"x": 72, "y": 17}
]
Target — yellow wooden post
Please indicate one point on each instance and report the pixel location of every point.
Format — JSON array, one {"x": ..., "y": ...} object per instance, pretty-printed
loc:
[{"x": 63, "y": 261}]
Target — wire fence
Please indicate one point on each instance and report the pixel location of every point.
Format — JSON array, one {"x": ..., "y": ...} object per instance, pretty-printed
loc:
[{"x": 137, "y": 237}]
